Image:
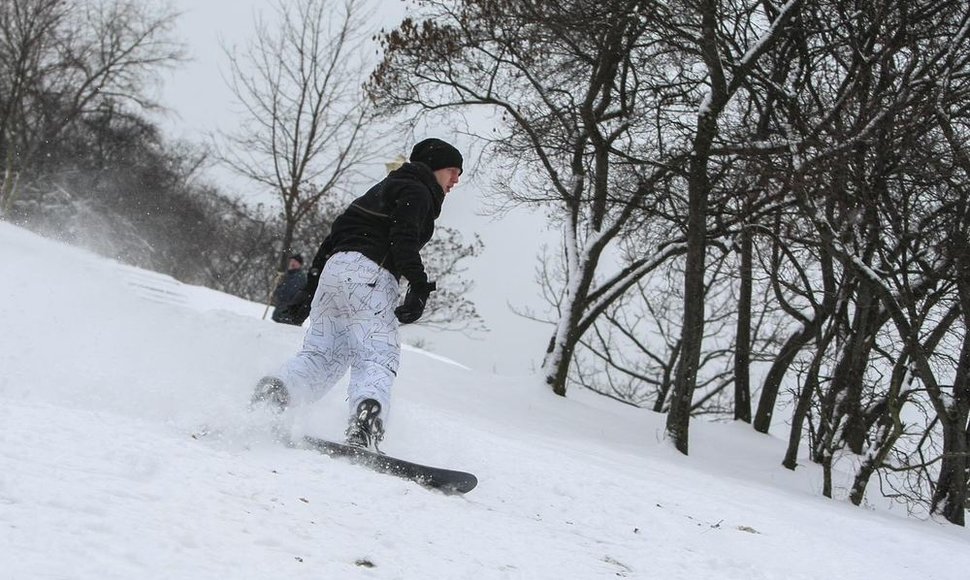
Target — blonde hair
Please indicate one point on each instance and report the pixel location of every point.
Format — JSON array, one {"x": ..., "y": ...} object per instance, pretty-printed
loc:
[{"x": 395, "y": 163}]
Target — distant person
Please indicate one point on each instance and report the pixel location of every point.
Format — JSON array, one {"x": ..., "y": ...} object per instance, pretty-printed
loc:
[
  {"x": 288, "y": 290},
  {"x": 352, "y": 293}
]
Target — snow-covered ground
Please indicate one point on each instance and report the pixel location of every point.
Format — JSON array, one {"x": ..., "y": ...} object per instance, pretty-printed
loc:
[{"x": 106, "y": 372}]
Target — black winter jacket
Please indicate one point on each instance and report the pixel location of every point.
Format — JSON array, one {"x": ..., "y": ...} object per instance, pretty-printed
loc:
[
  {"x": 292, "y": 282},
  {"x": 389, "y": 224}
]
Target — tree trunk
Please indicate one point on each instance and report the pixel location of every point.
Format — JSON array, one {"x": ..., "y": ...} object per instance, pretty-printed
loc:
[
  {"x": 951, "y": 487},
  {"x": 772, "y": 384},
  {"x": 8, "y": 187},
  {"x": 558, "y": 358},
  {"x": 848, "y": 378},
  {"x": 805, "y": 403},
  {"x": 666, "y": 381},
  {"x": 562, "y": 345},
  {"x": 289, "y": 231},
  {"x": 742, "y": 360},
  {"x": 826, "y": 461},
  {"x": 794, "y": 344},
  {"x": 892, "y": 430},
  {"x": 692, "y": 333}
]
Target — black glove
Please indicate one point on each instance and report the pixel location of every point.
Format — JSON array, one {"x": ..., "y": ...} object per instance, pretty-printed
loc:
[
  {"x": 296, "y": 311},
  {"x": 413, "y": 306}
]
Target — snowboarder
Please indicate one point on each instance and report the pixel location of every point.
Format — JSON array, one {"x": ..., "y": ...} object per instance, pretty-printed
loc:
[
  {"x": 288, "y": 289},
  {"x": 352, "y": 293}
]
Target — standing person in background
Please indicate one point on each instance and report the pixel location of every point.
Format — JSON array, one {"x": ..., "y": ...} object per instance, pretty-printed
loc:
[
  {"x": 352, "y": 293},
  {"x": 294, "y": 280}
]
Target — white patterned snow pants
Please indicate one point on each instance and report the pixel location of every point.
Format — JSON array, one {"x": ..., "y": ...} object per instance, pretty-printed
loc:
[{"x": 352, "y": 324}]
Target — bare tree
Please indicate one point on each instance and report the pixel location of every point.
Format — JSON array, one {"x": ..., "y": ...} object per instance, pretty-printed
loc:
[
  {"x": 730, "y": 50},
  {"x": 449, "y": 308},
  {"x": 308, "y": 127},
  {"x": 822, "y": 141},
  {"x": 571, "y": 82},
  {"x": 876, "y": 178},
  {"x": 61, "y": 60}
]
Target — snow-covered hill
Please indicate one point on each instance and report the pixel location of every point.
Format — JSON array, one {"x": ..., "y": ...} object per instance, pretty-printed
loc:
[{"x": 106, "y": 372}]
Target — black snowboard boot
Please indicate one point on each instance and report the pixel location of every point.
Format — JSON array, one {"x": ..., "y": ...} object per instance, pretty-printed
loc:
[
  {"x": 366, "y": 428},
  {"x": 271, "y": 392}
]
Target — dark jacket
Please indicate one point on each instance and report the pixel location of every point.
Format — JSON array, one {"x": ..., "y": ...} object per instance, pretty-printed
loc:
[
  {"x": 287, "y": 293},
  {"x": 293, "y": 281},
  {"x": 389, "y": 224}
]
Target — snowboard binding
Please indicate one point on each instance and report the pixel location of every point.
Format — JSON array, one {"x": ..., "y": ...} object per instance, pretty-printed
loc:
[{"x": 366, "y": 427}]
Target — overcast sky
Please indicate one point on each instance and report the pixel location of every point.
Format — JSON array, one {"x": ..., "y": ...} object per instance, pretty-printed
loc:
[{"x": 199, "y": 102}]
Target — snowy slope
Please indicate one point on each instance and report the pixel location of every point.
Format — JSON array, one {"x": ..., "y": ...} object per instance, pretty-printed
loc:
[{"x": 106, "y": 371}]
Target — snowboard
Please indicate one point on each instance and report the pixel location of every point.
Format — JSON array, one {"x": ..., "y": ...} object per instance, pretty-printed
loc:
[{"x": 446, "y": 480}]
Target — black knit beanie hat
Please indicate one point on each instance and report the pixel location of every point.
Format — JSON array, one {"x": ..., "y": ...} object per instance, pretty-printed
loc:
[{"x": 436, "y": 154}]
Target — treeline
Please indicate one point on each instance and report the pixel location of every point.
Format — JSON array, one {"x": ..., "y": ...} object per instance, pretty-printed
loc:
[
  {"x": 765, "y": 210},
  {"x": 83, "y": 164}
]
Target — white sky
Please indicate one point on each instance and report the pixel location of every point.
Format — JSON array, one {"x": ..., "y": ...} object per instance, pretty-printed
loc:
[{"x": 200, "y": 103}]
